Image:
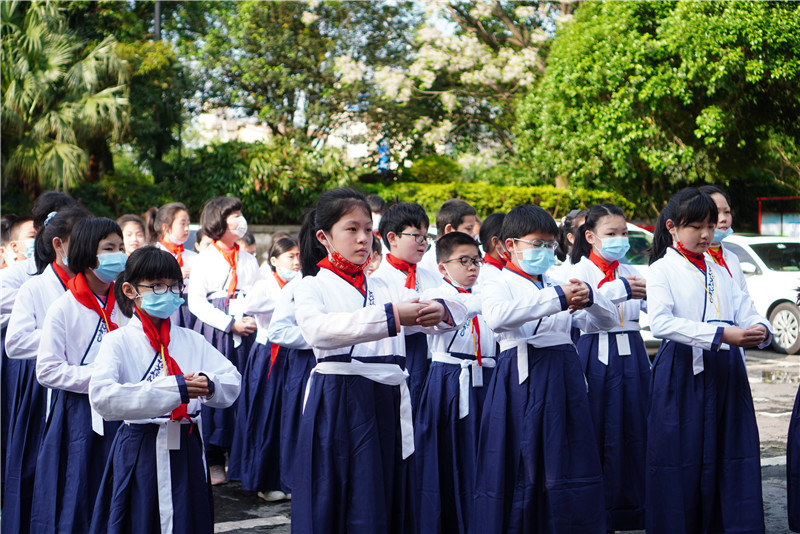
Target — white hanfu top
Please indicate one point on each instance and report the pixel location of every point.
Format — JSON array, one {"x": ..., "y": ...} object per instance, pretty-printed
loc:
[
  {"x": 283, "y": 328},
  {"x": 462, "y": 340},
  {"x": 11, "y": 279},
  {"x": 426, "y": 279},
  {"x": 27, "y": 318},
  {"x": 735, "y": 266},
  {"x": 260, "y": 303}
]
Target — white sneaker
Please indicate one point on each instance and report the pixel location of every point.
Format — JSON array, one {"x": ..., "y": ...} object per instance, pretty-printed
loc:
[{"x": 272, "y": 496}]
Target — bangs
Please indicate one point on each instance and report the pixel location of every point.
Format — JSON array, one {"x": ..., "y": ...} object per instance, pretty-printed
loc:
[
  {"x": 697, "y": 208},
  {"x": 151, "y": 263}
]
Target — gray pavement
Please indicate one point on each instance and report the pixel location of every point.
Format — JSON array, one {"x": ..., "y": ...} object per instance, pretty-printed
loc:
[{"x": 774, "y": 380}]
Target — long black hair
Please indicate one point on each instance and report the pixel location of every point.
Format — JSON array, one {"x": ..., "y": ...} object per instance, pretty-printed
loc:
[
  {"x": 145, "y": 263},
  {"x": 331, "y": 206},
  {"x": 280, "y": 246},
  {"x": 685, "y": 207},
  {"x": 582, "y": 247},
  {"x": 567, "y": 227},
  {"x": 60, "y": 226}
]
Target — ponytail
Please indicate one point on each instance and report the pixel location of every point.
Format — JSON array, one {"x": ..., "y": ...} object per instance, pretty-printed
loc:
[
  {"x": 567, "y": 227},
  {"x": 582, "y": 247},
  {"x": 60, "y": 226},
  {"x": 311, "y": 250}
]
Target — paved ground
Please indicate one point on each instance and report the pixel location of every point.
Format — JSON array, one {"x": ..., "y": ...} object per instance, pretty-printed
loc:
[{"x": 774, "y": 381}]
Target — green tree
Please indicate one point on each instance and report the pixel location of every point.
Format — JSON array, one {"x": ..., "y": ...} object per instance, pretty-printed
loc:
[
  {"x": 61, "y": 99},
  {"x": 647, "y": 97}
]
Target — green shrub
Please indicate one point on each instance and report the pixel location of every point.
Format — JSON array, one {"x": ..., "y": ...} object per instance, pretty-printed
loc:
[{"x": 434, "y": 170}]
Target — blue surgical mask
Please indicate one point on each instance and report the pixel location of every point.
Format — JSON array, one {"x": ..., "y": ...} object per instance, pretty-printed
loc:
[
  {"x": 287, "y": 275},
  {"x": 613, "y": 248},
  {"x": 161, "y": 306},
  {"x": 109, "y": 265},
  {"x": 29, "y": 244},
  {"x": 719, "y": 235},
  {"x": 536, "y": 261}
]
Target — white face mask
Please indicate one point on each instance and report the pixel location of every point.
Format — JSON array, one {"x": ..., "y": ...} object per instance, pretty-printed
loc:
[
  {"x": 174, "y": 241},
  {"x": 376, "y": 221},
  {"x": 241, "y": 227},
  {"x": 453, "y": 280}
]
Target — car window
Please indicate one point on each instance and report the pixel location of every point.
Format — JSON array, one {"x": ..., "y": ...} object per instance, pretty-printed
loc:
[
  {"x": 779, "y": 256},
  {"x": 640, "y": 242},
  {"x": 739, "y": 252}
]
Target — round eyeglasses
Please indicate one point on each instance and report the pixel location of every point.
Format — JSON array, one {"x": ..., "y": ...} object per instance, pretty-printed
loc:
[
  {"x": 466, "y": 261},
  {"x": 541, "y": 243},
  {"x": 161, "y": 289}
]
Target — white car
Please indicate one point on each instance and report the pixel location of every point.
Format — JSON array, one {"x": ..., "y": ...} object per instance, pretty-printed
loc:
[{"x": 771, "y": 265}]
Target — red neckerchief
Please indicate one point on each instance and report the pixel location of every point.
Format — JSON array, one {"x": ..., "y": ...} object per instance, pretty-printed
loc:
[
  {"x": 281, "y": 281},
  {"x": 476, "y": 327},
  {"x": 488, "y": 258},
  {"x": 175, "y": 250},
  {"x": 718, "y": 256},
  {"x": 231, "y": 255},
  {"x": 83, "y": 294},
  {"x": 345, "y": 269},
  {"x": 409, "y": 269},
  {"x": 511, "y": 267},
  {"x": 159, "y": 340},
  {"x": 61, "y": 273},
  {"x": 607, "y": 268},
  {"x": 694, "y": 258}
]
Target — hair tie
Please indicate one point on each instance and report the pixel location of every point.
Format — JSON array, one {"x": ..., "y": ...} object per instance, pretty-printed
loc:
[{"x": 50, "y": 217}]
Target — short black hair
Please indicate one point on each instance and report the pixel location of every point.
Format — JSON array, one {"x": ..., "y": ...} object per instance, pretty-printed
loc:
[
  {"x": 59, "y": 226},
  {"x": 198, "y": 236},
  {"x": 401, "y": 216},
  {"x": 715, "y": 190},
  {"x": 85, "y": 238},
  {"x": 453, "y": 212},
  {"x": 145, "y": 263},
  {"x": 11, "y": 224},
  {"x": 527, "y": 219},
  {"x": 281, "y": 246},
  {"x": 248, "y": 239},
  {"x": 490, "y": 228},
  {"x": 376, "y": 204},
  {"x": 130, "y": 218},
  {"x": 446, "y": 244},
  {"x": 377, "y": 249},
  {"x": 216, "y": 211},
  {"x": 48, "y": 202}
]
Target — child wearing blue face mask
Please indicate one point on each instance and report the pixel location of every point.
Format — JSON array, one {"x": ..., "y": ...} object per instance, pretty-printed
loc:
[
  {"x": 155, "y": 376},
  {"x": 76, "y": 439},
  {"x": 537, "y": 459},
  {"x": 716, "y": 250},
  {"x": 615, "y": 363}
]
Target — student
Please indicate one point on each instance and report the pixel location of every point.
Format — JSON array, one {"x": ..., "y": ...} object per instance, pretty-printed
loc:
[
  {"x": 376, "y": 257},
  {"x": 256, "y": 449},
  {"x": 248, "y": 243},
  {"x": 567, "y": 233},
  {"x": 356, "y": 434},
  {"x": 18, "y": 238},
  {"x": 26, "y": 417},
  {"x": 172, "y": 231},
  {"x": 449, "y": 413},
  {"x": 133, "y": 232},
  {"x": 150, "y": 229},
  {"x": 221, "y": 277},
  {"x": 615, "y": 363},
  {"x": 377, "y": 207},
  {"x": 155, "y": 376},
  {"x": 494, "y": 255},
  {"x": 404, "y": 229},
  {"x": 703, "y": 459},
  {"x": 201, "y": 241},
  {"x": 76, "y": 440},
  {"x": 716, "y": 251},
  {"x": 538, "y": 468},
  {"x": 455, "y": 215}
]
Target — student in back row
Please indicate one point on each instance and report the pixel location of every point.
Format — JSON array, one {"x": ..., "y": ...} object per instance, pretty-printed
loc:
[{"x": 455, "y": 215}]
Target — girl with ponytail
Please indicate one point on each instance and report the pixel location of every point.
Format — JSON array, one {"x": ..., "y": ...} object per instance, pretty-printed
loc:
[{"x": 703, "y": 456}]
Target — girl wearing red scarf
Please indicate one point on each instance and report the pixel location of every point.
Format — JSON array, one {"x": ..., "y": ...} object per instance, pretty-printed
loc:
[
  {"x": 356, "y": 435},
  {"x": 615, "y": 363},
  {"x": 172, "y": 231},
  {"x": 155, "y": 376},
  {"x": 76, "y": 439},
  {"x": 222, "y": 275}
]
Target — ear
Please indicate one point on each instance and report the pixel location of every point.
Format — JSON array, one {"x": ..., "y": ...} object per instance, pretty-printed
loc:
[
  {"x": 509, "y": 244},
  {"x": 273, "y": 261},
  {"x": 128, "y": 290},
  {"x": 449, "y": 228},
  {"x": 322, "y": 239},
  {"x": 670, "y": 224},
  {"x": 588, "y": 235},
  {"x": 442, "y": 270},
  {"x": 392, "y": 238}
]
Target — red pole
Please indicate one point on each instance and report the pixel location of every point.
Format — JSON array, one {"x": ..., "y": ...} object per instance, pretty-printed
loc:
[{"x": 759, "y": 216}]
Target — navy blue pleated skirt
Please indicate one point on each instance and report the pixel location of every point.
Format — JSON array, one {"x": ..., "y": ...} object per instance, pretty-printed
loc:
[
  {"x": 26, "y": 427},
  {"x": 70, "y": 466},
  {"x": 300, "y": 363},
  {"x": 618, "y": 399},
  {"x": 349, "y": 472},
  {"x": 6, "y": 394},
  {"x": 127, "y": 501},
  {"x": 538, "y": 468},
  {"x": 417, "y": 364},
  {"x": 792, "y": 467},
  {"x": 219, "y": 424},
  {"x": 255, "y": 455},
  {"x": 445, "y": 450},
  {"x": 183, "y": 317},
  {"x": 703, "y": 456}
]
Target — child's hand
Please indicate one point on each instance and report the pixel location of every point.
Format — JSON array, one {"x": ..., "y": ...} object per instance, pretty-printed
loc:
[
  {"x": 432, "y": 314},
  {"x": 408, "y": 311},
  {"x": 244, "y": 326},
  {"x": 577, "y": 295},
  {"x": 638, "y": 287},
  {"x": 740, "y": 337},
  {"x": 196, "y": 385}
]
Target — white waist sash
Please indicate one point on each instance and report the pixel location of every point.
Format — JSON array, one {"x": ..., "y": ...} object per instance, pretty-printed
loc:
[
  {"x": 389, "y": 374},
  {"x": 463, "y": 377}
]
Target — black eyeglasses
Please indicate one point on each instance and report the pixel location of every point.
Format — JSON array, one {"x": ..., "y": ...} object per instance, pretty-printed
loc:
[
  {"x": 421, "y": 239},
  {"x": 466, "y": 261},
  {"x": 161, "y": 289}
]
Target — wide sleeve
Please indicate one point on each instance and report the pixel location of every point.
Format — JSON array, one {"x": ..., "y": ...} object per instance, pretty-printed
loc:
[
  {"x": 745, "y": 314},
  {"x": 456, "y": 306},
  {"x": 22, "y": 336},
  {"x": 504, "y": 311},
  {"x": 52, "y": 368},
  {"x": 260, "y": 298},
  {"x": 283, "y": 329},
  {"x": 665, "y": 325},
  {"x": 116, "y": 400},
  {"x": 602, "y": 315},
  {"x": 199, "y": 304},
  {"x": 226, "y": 379}
]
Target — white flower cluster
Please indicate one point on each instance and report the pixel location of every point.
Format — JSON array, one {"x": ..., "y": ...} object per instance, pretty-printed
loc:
[
  {"x": 349, "y": 70},
  {"x": 394, "y": 84},
  {"x": 439, "y": 134},
  {"x": 308, "y": 18},
  {"x": 482, "y": 9}
]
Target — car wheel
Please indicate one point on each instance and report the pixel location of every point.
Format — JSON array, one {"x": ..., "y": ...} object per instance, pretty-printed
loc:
[{"x": 785, "y": 319}]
